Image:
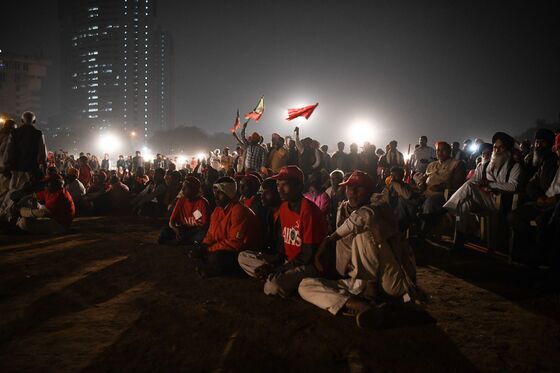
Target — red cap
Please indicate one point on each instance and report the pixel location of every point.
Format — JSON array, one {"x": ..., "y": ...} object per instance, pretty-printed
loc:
[
  {"x": 289, "y": 173},
  {"x": 359, "y": 178}
]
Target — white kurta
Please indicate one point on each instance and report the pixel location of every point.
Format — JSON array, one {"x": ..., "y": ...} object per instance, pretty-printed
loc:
[{"x": 470, "y": 197}]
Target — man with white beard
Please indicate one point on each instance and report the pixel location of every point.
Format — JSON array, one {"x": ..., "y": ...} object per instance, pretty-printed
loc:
[{"x": 500, "y": 175}]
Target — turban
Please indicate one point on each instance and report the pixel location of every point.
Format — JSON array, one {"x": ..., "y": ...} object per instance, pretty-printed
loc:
[
  {"x": 506, "y": 139},
  {"x": 546, "y": 135},
  {"x": 486, "y": 147},
  {"x": 73, "y": 171}
]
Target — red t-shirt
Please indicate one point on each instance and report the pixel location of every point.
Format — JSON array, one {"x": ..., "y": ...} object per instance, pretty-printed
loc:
[
  {"x": 190, "y": 213},
  {"x": 248, "y": 201},
  {"x": 60, "y": 205},
  {"x": 306, "y": 227}
]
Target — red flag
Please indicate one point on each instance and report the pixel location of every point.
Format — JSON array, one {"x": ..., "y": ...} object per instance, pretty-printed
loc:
[
  {"x": 257, "y": 113},
  {"x": 237, "y": 123},
  {"x": 301, "y": 112}
]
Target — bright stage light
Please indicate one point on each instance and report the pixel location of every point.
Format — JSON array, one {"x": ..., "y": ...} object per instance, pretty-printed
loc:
[
  {"x": 181, "y": 160},
  {"x": 147, "y": 154},
  {"x": 109, "y": 143},
  {"x": 361, "y": 132},
  {"x": 133, "y": 134},
  {"x": 201, "y": 156},
  {"x": 473, "y": 148}
]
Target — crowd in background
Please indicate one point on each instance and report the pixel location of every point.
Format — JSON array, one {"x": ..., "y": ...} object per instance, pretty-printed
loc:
[{"x": 331, "y": 226}]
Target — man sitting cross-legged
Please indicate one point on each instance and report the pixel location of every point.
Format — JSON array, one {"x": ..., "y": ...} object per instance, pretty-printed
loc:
[
  {"x": 302, "y": 227},
  {"x": 189, "y": 220},
  {"x": 233, "y": 227},
  {"x": 381, "y": 264},
  {"x": 54, "y": 215}
]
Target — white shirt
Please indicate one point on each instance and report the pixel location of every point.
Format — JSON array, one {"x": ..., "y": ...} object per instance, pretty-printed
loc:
[
  {"x": 427, "y": 153},
  {"x": 554, "y": 187}
]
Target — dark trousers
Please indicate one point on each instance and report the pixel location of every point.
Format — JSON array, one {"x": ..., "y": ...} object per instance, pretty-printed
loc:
[
  {"x": 218, "y": 263},
  {"x": 189, "y": 236}
]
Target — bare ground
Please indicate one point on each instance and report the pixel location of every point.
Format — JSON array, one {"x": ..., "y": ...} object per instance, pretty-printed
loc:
[{"x": 107, "y": 298}]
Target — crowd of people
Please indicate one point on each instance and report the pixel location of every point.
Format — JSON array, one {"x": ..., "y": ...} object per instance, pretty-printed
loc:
[{"x": 334, "y": 228}]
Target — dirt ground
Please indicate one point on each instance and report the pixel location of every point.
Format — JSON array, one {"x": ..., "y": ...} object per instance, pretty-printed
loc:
[{"x": 106, "y": 297}]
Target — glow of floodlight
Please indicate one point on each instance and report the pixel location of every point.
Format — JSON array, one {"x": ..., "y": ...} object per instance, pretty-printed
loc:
[
  {"x": 361, "y": 132},
  {"x": 109, "y": 143}
]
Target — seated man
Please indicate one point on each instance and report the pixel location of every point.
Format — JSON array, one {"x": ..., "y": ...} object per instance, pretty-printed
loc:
[
  {"x": 542, "y": 192},
  {"x": 485, "y": 156},
  {"x": 119, "y": 195},
  {"x": 402, "y": 198},
  {"x": 233, "y": 227},
  {"x": 382, "y": 262},
  {"x": 75, "y": 188},
  {"x": 97, "y": 198},
  {"x": 248, "y": 189},
  {"x": 445, "y": 173},
  {"x": 267, "y": 213},
  {"x": 302, "y": 227},
  {"x": 336, "y": 195},
  {"x": 189, "y": 220},
  {"x": 56, "y": 213},
  {"x": 499, "y": 175},
  {"x": 151, "y": 201}
]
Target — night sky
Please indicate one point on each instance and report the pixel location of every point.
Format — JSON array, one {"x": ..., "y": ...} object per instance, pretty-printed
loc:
[{"x": 449, "y": 70}]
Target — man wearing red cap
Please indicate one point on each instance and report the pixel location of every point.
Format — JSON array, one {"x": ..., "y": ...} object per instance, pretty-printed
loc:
[
  {"x": 302, "y": 227},
  {"x": 500, "y": 175},
  {"x": 255, "y": 154},
  {"x": 52, "y": 217},
  {"x": 381, "y": 260},
  {"x": 190, "y": 217}
]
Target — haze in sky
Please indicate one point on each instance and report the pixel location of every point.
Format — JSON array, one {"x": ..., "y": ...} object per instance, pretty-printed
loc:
[{"x": 449, "y": 70}]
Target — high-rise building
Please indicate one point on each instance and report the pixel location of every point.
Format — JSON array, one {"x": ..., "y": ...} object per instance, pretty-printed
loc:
[
  {"x": 111, "y": 74},
  {"x": 164, "y": 108},
  {"x": 21, "y": 79}
]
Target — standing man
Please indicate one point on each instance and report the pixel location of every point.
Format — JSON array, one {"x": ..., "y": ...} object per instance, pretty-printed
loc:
[
  {"x": 255, "y": 154},
  {"x": 137, "y": 161},
  {"x": 7, "y": 128},
  {"x": 423, "y": 155},
  {"x": 278, "y": 156},
  {"x": 393, "y": 158},
  {"x": 106, "y": 162},
  {"x": 339, "y": 159},
  {"x": 26, "y": 156}
]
